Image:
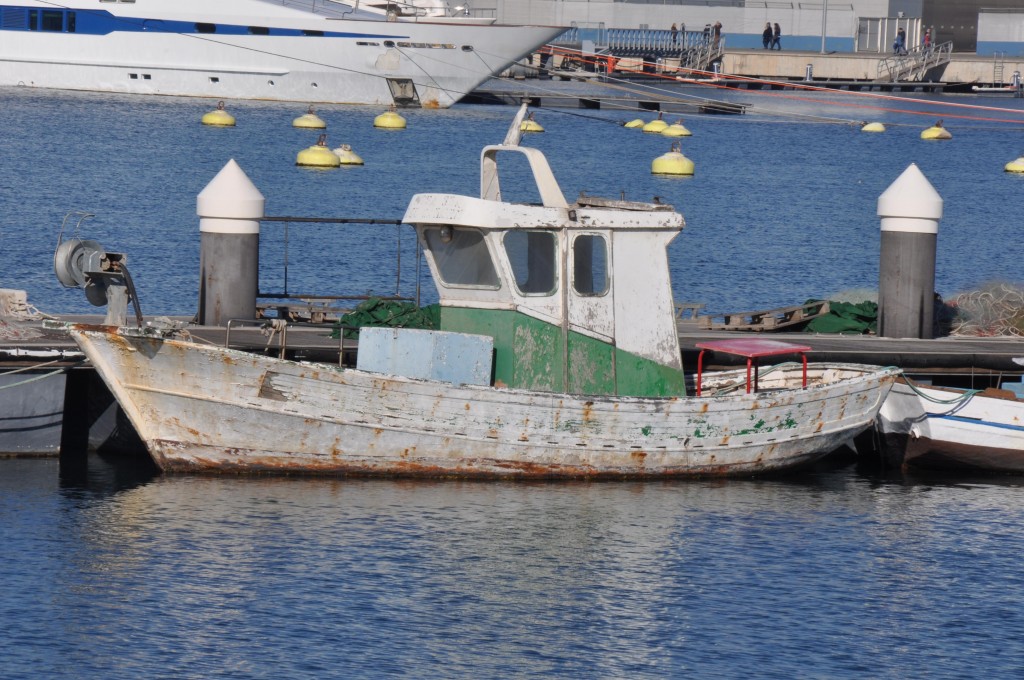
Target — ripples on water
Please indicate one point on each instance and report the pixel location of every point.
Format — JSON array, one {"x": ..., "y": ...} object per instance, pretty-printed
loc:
[
  {"x": 110, "y": 571},
  {"x": 780, "y": 210},
  {"x": 113, "y": 572}
]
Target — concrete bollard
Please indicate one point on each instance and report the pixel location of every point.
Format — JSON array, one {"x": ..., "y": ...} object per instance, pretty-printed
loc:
[
  {"x": 910, "y": 210},
  {"x": 229, "y": 210}
]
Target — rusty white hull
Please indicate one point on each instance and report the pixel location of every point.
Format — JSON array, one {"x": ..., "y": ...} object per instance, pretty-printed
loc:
[
  {"x": 950, "y": 428},
  {"x": 203, "y": 408}
]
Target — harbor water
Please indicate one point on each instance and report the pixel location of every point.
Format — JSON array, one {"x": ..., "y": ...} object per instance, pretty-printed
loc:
[
  {"x": 111, "y": 570},
  {"x": 782, "y": 207}
]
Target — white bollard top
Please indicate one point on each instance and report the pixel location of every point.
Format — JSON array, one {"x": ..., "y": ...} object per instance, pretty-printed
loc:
[
  {"x": 229, "y": 197},
  {"x": 910, "y": 204}
]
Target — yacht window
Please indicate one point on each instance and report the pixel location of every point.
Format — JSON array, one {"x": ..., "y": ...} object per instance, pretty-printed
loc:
[
  {"x": 33, "y": 20},
  {"x": 316, "y": 34},
  {"x": 531, "y": 255},
  {"x": 590, "y": 265},
  {"x": 389, "y": 43},
  {"x": 206, "y": 28},
  {"x": 259, "y": 30},
  {"x": 461, "y": 257},
  {"x": 71, "y": 22},
  {"x": 467, "y": 48},
  {"x": 53, "y": 20}
]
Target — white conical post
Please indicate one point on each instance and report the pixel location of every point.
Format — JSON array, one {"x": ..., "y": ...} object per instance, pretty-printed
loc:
[
  {"x": 230, "y": 208},
  {"x": 910, "y": 210}
]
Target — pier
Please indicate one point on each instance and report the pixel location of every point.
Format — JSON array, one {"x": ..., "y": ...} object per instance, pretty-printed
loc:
[{"x": 655, "y": 62}]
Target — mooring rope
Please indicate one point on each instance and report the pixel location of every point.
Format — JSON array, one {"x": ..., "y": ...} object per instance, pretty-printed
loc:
[
  {"x": 38, "y": 377},
  {"x": 965, "y": 396}
]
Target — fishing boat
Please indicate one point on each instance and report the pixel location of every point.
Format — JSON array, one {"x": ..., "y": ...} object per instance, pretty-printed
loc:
[
  {"x": 950, "y": 428},
  {"x": 557, "y": 355},
  {"x": 285, "y": 50}
]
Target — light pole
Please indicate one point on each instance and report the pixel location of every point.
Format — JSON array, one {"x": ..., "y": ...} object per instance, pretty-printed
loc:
[{"x": 824, "y": 22}]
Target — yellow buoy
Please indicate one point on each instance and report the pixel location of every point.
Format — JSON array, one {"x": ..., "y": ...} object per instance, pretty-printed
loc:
[
  {"x": 1015, "y": 166},
  {"x": 309, "y": 120},
  {"x": 873, "y": 127},
  {"x": 635, "y": 123},
  {"x": 318, "y": 156},
  {"x": 936, "y": 132},
  {"x": 347, "y": 156},
  {"x": 389, "y": 120},
  {"x": 530, "y": 125},
  {"x": 672, "y": 163},
  {"x": 656, "y": 125},
  {"x": 219, "y": 117},
  {"x": 677, "y": 129}
]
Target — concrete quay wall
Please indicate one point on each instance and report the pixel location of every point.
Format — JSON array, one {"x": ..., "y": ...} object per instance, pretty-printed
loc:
[{"x": 963, "y": 69}]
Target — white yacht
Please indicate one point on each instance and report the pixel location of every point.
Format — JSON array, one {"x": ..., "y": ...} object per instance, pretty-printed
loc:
[{"x": 424, "y": 54}]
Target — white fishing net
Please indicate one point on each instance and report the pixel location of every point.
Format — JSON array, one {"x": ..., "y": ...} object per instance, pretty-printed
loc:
[{"x": 995, "y": 309}]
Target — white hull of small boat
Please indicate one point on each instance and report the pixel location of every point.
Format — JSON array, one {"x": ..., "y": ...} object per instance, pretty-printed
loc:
[
  {"x": 950, "y": 428},
  {"x": 203, "y": 408}
]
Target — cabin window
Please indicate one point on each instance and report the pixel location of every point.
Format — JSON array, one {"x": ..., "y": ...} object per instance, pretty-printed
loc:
[
  {"x": 461, "y": 257},
  {"x": 33, "y": 20},
  {"x": 53, "y": 20},
  {"x": 315, "y": 34},
  {"x": 259, "y": 30},
  {"x": 206, "y": 28},
  {"x": 531, "y": 255},
  {"x": 71, "y": 22},
  {"x": 590, "y": 265}
]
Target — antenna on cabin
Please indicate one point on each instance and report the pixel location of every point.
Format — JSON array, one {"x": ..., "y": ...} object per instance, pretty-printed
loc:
[{"x": 83, "y": 263}]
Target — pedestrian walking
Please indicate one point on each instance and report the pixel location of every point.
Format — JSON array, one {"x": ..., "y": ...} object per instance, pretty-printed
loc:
[
  {"x": 766, "y": 36},
  {"x": 899, "y": 46},
  {"x": 777, "y": 38}
]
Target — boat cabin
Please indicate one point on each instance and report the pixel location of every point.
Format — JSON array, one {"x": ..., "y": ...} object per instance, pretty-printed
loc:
[{"x": 577, "y": 297}]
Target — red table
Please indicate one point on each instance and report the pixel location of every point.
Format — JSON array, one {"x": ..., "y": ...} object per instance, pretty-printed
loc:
[{"x": 752, "y": 349}]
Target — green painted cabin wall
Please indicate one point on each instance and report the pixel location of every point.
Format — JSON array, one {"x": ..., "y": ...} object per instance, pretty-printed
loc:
[{"x": 528, "y": 355}]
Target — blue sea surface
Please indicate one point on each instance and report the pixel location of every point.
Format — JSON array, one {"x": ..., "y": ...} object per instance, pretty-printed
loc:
[
  {"x": 782, "y": 206},
  {"x": 110, "y": 570}
]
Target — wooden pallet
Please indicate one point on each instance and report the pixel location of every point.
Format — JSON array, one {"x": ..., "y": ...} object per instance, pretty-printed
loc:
[
  {"x": 765, "y": 320},
  {"x": 688, "y": 310}
]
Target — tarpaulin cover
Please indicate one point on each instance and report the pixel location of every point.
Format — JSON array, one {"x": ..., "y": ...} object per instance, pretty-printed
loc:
[
  {"x": 846, "y": 317},
  {"x": 388, "y": 313}
]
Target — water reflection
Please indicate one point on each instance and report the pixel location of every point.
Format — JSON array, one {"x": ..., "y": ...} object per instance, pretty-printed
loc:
[{"x": 264, "y": 577}]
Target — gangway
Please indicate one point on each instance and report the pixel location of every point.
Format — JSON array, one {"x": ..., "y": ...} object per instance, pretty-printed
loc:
[
  {"x": 694, "y": 50},
  {"x": 915, "y": 64}
]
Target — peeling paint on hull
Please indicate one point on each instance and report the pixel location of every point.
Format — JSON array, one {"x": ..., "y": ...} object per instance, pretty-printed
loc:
[{"x": 202, "y": 408}]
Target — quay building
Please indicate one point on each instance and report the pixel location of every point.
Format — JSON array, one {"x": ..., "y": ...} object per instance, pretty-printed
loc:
[{"x": 990, "y": 28}]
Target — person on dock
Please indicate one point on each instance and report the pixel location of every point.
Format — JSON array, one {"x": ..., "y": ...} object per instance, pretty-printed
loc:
[
  {"x": 766, "y": 36},
  {"x": 716, "y": 34},
  {"x": 675, "y": 35},
  {"x": 926, "y": 41},
  {"x": 899, "y": 47},
  {"x": 777, "y": 38}
]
